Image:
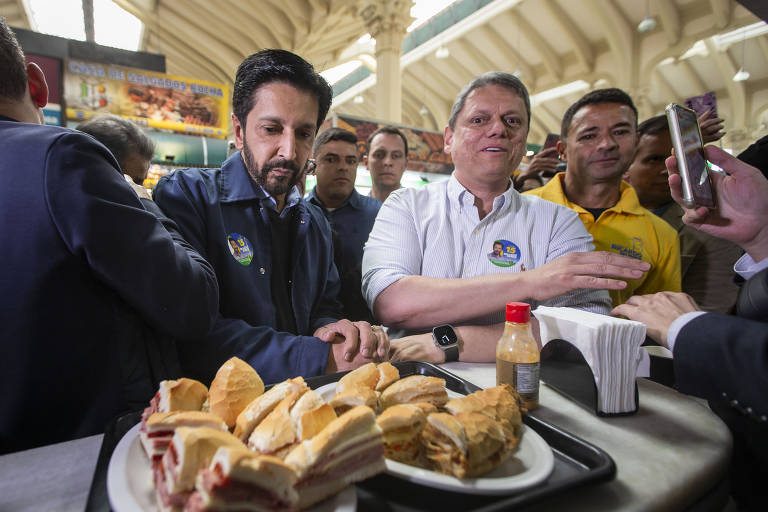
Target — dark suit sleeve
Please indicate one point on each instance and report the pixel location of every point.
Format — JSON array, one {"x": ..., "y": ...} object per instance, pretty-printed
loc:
[
  {"x": 275, "y": 355},
  {"x": 724, "y": 358},
  {"x": 102, "y": 220}
]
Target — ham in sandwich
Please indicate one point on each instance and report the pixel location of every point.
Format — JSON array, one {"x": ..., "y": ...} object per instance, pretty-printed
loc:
[
  {"x": 190, "y": 450},
  {"x": 347, "y": 450},
  {"x": 238, "y": 479},
  {"x": 156, "y": 433}
]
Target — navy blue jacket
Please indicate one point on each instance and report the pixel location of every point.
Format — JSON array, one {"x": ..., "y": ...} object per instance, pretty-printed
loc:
[
  {"x": 214, "y": 206},
  {"x": 352, "y": 222},
  {"x": 91, "y": 288}
]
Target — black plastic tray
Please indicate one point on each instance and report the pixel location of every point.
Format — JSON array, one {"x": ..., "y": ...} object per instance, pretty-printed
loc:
[{"x": 577, "y": 463}]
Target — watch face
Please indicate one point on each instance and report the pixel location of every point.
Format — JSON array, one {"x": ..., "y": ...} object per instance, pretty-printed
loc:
[{"x": 444, "y": 336}]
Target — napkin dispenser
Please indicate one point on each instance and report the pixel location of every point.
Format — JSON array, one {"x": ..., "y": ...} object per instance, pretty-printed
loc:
[{"x": 591, "y": 358}]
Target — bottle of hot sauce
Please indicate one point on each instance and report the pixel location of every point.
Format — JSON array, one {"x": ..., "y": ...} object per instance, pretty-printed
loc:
[{"x": 517, "y": 355}]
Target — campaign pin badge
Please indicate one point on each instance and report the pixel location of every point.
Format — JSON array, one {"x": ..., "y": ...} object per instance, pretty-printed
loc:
[
  {"x": 504, "y": 253},
  {"x": 240, "y": 248}
]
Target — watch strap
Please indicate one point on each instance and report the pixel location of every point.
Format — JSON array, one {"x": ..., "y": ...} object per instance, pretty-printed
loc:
[{"x": 451, "y": 354}]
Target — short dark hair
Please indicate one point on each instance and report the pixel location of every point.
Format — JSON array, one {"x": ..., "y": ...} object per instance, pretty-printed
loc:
[
  {"x": 332, "y": 134},
  {"x": 13, "y": 84},
  {"x": 610, "y": 95},
  {"x": 491, "y": 78},
  {"x": 653, "y": 126},
  {"x": 120, "y": 136},
  {"x": 391, "y": 130},
  {"x": 271, "y": 65}
]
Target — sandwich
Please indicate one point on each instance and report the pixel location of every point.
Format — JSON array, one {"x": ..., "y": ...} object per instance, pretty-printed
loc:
[
  {"x": 299, "y": 416},
  {"x": 176, "y": 395},
  {"x": 190, "y": 450},
  {"x": 238, "y": 479},
  {"x": 350, "y": 398},
  {"x": 262, "y": 405},
  {"x": 371, "y": 376},
  {"x": 401, "y": 426},
  {"x": 365, "y": 376},
  {"x": 500, "y": 403},
  {"x": 347, "y": 450},
  {"x": 416, "y": 388},
  {"x": 235, "y": 386},
  {"x": 275, "y": 434},
  {"x": 156, "y": 433},
  {"x": 464, "y": 445},
  {"x": 310, "y": 415},
  {"x": 387, "y": 375}
]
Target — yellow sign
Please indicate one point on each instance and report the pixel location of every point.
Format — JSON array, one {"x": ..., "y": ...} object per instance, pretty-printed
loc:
[{"x": 146, "y": 97}]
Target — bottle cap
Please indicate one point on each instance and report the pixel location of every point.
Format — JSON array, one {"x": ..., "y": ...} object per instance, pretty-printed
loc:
[{"x": 518, "y": 312}]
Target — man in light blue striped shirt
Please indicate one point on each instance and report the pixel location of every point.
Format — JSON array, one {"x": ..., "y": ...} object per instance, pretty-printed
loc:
[{"x": 457, "y": 251}]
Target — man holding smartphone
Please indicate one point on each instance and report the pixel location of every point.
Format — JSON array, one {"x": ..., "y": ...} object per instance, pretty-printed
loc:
[
  {"x": 724, "y": 358},
  {"x": 598, "y": 140}
]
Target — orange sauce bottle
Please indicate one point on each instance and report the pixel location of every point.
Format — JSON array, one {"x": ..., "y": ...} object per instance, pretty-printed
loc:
[{"x": 517, "y": 355}]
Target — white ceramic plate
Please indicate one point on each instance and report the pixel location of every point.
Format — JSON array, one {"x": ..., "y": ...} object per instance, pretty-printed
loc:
[
  {"x": 130, "y": 487},
  {"x": 529, "y": 465}
]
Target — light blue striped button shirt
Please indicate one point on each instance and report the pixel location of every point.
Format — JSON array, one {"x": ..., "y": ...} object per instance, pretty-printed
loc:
[{"x": 436, "y": 231}]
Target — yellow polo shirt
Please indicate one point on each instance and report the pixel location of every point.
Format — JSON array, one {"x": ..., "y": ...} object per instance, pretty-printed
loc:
[{"x": 629, "y": 229}]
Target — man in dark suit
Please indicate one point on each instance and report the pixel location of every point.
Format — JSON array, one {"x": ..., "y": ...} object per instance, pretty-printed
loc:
[
  {"x": 93, "y": 285},
  {"x": 719, "y": 357}
]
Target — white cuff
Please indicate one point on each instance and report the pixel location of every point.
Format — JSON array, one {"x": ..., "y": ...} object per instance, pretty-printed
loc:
[
  {"x": 679, "y": 323},
  {"x": 746, "y": 266}
]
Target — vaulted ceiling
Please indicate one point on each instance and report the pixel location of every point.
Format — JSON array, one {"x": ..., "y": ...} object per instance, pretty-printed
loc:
[{"x": 550, "y": 43}]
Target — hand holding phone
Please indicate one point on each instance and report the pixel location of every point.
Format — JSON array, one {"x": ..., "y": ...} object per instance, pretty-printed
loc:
[{"x": 691, "y": 160}]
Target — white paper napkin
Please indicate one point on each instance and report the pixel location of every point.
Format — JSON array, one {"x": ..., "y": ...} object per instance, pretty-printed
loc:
[{"x": 611, "y": 346}]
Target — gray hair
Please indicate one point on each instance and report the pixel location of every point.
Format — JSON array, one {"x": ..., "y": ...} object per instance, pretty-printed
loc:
[
  {"x": 499, "y": 78},
  {"x": 120, "y": 136}
]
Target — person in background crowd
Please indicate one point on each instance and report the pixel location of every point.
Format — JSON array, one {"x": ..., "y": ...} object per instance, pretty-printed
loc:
[
  {"x": 719, "y": 357},
  {"x": 529, "y": 182},
  {"x": 278, "y": 302},
  {"x": 542, "y": 167},
  {"x": 350, "y": 214},
  {"x": 597, "y": 141},
  {"x": 430, "y": 259},
  {"x": 386, "y": 157},
  {"x": 130, "y": 146},
  {"x": 706, "y": 261},
  {"x": 94, "y": 286}
]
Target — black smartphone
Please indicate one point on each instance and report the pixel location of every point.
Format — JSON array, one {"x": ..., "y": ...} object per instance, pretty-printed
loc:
[{"x": 691, "y": 159}]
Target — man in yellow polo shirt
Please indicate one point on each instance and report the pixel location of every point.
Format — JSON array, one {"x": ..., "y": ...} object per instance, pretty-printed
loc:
[{"x": 598, "y": 139}]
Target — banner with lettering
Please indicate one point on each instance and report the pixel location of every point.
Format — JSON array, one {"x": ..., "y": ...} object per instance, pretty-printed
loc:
[{"x": 146, "y": 97}]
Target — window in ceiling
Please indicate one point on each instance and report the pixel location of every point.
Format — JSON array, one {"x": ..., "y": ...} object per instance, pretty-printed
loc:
[{"x": 113, "y": 26}]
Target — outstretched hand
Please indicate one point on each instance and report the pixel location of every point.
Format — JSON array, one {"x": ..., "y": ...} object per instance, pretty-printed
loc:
[{"x": 597, "y": 269}]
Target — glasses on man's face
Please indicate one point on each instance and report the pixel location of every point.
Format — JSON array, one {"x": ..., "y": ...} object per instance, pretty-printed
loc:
[{"x": 310, "y": 166}]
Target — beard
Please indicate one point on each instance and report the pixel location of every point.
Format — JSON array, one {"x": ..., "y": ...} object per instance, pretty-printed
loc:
[{"x": 277, "y": 185}]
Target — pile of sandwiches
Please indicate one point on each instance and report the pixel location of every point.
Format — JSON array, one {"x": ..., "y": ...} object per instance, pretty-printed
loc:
[
  {"x": 236, "y": 447},
  {"x": 464, "y": 437}
]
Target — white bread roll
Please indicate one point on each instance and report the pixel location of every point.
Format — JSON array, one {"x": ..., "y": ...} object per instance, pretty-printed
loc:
[{"x": 235, "y": 386}]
